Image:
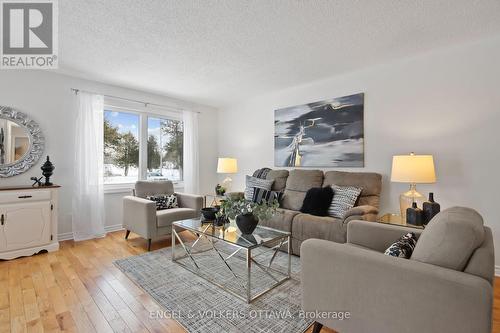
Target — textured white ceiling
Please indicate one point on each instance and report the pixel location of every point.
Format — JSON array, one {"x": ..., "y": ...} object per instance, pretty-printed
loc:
[{"x": 220, "y": 52}]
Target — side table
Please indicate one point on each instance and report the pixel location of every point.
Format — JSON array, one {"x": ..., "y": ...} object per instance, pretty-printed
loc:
[
  {"x": 396, "y": 219},
  {"x": 214, "y": 199}
]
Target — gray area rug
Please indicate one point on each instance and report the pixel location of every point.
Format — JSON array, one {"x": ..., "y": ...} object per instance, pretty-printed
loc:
[{"x": 200, "y": 306}]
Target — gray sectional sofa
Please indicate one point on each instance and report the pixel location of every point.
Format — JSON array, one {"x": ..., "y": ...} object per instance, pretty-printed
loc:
[{"x": 295, "y": 184}]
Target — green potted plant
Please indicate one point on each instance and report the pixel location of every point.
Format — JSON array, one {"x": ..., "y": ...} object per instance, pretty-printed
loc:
[{"x": 247, "y": 213}]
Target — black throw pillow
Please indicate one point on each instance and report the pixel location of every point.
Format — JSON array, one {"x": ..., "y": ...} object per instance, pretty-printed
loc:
[{"x": 317, "y": 201}]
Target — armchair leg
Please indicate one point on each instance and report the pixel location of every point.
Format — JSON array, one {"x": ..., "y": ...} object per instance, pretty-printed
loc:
[
  {"x": 149, "y": 244},
  {"x": 317, "y": 327},
  {"x": 127, "y": 233}
]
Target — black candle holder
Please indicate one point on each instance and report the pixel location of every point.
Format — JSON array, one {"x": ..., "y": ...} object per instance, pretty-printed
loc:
[{"x": 47, "y": 169}]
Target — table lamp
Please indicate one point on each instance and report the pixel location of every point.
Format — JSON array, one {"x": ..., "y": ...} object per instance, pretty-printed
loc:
[
  {"x": 226, "y": 165},
  {"x": 412, "y": 169}
]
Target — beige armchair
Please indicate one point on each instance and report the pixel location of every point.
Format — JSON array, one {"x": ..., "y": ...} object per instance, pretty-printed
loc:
[
  {"x": 446, "y": 286},
  {"x": 141, "y": 217}
]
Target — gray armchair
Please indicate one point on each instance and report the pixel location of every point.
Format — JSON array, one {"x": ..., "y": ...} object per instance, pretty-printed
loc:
[
  {"x": 141, "y": 217},
  {"x": 446, "y": 286}
]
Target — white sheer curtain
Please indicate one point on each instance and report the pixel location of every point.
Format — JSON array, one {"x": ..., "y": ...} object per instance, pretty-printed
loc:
[
  {"x": 191, "y": 154},
  {"x": 88, "y": 193}
]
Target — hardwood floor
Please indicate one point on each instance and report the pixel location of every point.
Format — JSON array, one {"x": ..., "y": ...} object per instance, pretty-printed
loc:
[{"x": 78, "y": 289}]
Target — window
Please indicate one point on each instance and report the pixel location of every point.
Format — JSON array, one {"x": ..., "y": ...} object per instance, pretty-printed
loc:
[
  {"x": 165, "y": 149},
  {"x": 127, "y": 135},
  {"x": 121, "y": 147}
]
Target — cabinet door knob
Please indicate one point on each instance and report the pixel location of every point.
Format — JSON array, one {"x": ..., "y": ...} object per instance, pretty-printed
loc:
[
  {"x": 25, "y": 196},
  {"x": 2, "y": 219}
]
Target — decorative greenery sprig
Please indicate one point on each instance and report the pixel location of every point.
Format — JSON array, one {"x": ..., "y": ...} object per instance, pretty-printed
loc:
[{"x": 230, "y": 208}]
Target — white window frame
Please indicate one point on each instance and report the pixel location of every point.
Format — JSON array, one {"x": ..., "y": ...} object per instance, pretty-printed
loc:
[{"x": 144, "y": 113}]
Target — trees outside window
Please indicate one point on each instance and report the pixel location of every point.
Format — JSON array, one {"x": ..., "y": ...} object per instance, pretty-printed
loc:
[
  {"x": 165, "y": 149},
  {"x": 121, "y": 147},
  {"x": 122, "y": 142},
  {"x": 154, "y": 158}
]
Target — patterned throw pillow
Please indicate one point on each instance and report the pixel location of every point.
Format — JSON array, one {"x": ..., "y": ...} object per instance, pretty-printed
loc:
[
  {"x": 260, "y": 194},
  {"x": 403, "y": 247},
  {"x": 164, "y": 201},
  {"x": 344, "y": 198},
  {"x": 252, "y": 182}
]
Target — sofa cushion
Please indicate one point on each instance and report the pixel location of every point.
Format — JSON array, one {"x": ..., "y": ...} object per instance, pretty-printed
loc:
[
  {"x": 279, "y": 177},
  {"x": 450, "y": 238},
  {"x": 143, "y": 188},
  {"x": 317, "y": 201},
  {"x": 164, "y": 218},
  {"x": 369, "y": 200},
  {"x": 305, "y": 226},
  {"x": 252, "y": 182},
  {"x": 281, "y": 221},
  {"x": 297, "y": 184},
  {"x": 370, "y": 182}
]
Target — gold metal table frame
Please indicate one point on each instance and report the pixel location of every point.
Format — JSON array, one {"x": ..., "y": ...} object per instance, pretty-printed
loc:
[{"x": 213, "y": 235}]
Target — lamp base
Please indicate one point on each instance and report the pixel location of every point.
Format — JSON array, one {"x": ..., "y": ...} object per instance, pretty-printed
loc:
[
  {"x": 406, "y": 199},
  {"x": 226, "y": 183}
]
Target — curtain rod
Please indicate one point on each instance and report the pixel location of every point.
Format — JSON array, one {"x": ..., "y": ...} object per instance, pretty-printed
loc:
[{"x": 146, "y": 104}]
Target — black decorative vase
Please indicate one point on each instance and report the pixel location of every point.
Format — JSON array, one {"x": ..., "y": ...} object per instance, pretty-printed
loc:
[
  {"x": 247, "y": 223},
  {"x": 47, "y": 169},
  {"x": 414, "y": 215},
  {"x": 430, "y": 208}
]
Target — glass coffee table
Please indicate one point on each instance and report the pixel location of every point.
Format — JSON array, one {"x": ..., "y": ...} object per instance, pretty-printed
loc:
[{"x": 243, "y": 265}]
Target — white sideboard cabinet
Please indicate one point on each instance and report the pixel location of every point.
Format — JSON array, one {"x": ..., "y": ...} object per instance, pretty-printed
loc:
[{"x": 28, "y": 220}]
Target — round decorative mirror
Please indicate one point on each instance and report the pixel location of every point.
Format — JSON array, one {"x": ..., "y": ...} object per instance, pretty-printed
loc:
[{"x": 21, "y": 142}]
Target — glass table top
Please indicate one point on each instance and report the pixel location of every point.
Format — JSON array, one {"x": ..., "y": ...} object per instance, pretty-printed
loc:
[
  {"x": 396, "y": 219},
  {"x": 260, "y": 236}
]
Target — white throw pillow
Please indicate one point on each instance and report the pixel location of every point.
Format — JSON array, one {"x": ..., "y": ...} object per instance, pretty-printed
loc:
[
  {"x": 344, "y": 198},
  {"x": 164, "y": 201},
  {"x": 252, "y": 182}
]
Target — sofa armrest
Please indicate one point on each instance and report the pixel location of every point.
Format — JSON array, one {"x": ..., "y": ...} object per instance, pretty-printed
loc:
[
  {"x": 235, "y": 195},
  {"x": 389, "y": 294},
  {"x": 364, "y": 212},
  {"x": 376, "y": 236},
  {"x": 139, "y": 216},
  {"x": 192, "y": 201},
  {"x": 361, "y": 210}
]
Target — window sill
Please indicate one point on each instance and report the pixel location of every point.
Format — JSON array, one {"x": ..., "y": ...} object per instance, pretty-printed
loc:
[
  {"x": 118, "y": 188},
  {"x": 128, "y": 187}
]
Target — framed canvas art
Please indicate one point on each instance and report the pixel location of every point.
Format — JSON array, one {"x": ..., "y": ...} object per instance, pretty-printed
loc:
[{"x": 321, "y": 134}]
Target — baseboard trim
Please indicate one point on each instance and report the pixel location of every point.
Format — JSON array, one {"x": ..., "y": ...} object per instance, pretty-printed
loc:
[
  {"x": 65, "y": 236},
  {"x": 69, "y": 235},
  {"x": 111, "y": 228},
  {"x": 497, "y": 270}
]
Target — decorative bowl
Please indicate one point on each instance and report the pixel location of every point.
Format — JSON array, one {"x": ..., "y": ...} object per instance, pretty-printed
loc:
[{"x": 209, "y": 213}]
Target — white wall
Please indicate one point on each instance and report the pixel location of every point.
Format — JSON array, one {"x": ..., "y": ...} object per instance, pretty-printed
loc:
[
  {"x": 445, "y": 103},
  {"x": 47, "y": 98}
]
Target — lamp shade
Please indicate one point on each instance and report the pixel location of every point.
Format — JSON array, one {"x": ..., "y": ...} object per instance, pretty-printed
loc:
[
  {"x": 413, "y": 169},
  {"x": 227, "y": 165}
]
